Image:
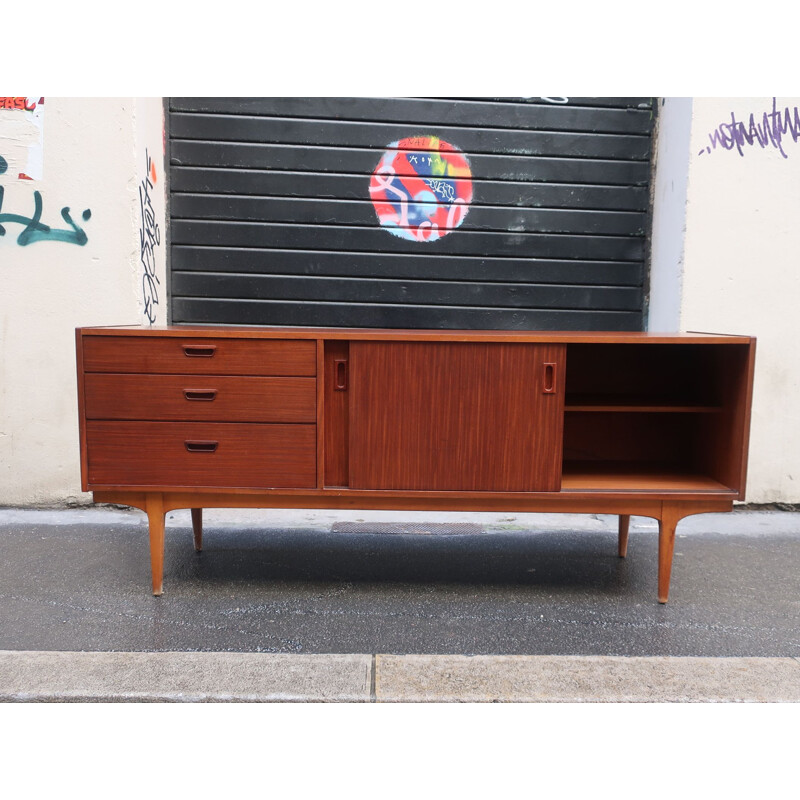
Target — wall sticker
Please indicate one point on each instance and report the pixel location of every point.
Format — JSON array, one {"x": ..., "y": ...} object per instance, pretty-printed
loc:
[
  {"x": 421, "y": 188},
  {"x": 22, "y": 137}
]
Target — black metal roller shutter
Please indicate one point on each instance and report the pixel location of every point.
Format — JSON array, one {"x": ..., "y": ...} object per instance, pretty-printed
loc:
[{"x": 272, "y": 220}]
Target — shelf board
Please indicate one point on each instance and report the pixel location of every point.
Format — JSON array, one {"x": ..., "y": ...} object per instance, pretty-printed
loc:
[
  {"x": 609, "y": 403},
  {"x": 627, "y": 476}
]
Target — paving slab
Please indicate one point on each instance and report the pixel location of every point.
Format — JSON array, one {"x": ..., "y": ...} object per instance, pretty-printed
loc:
[
  {"x": 183, "y": 677},
  {"x": 587, "y": 679}
]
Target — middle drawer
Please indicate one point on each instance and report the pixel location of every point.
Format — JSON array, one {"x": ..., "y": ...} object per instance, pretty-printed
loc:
[{"x": 199, "y": 397}]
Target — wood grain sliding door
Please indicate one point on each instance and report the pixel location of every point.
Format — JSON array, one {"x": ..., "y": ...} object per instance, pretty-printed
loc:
[{"x": 456, "y": 416}]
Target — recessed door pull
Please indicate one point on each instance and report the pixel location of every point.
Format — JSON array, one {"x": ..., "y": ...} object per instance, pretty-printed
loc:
[
  {"x": 549, "y": 379},
  {"x": 199, "y": 394},
  {"x": 199, "y": 351},
  {"x": 201, "y": 447},
  {"x": 340, "y": 374}
]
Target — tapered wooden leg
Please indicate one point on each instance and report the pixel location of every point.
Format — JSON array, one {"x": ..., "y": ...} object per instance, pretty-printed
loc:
[
  {"x": 670, "y": 515},
  {"x": 197, "y": 528},
  {"x": 155, "y": 518},
  {"x": 622, "y": 542}
]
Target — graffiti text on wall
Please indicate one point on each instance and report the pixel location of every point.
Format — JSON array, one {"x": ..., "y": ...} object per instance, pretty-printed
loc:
[
  {"x": 20, "y": 103},
  {"x": 34, "y": 230},
  {"x": 149, "y": 239},
  {"x": 421, "y": 188},
  {"x": 768, "y": 130}
]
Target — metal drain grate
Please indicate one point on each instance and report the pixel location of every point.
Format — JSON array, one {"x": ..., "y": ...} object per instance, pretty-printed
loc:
[{"x": 415, "y": 528}]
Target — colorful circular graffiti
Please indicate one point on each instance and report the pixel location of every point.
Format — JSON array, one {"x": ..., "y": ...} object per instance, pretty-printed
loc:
[{"x": 421, "y": 188}]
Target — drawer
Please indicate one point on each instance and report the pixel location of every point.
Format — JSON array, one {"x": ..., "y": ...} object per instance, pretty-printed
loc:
[
  {"x": 201, "y": 454},
  {"x": 199, "y": 397},
  {"x": 203, "y": 356}
]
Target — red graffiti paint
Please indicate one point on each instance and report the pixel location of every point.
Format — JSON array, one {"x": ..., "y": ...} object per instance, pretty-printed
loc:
[
  {"x": 19, "y": 103},
  {"x": 421, "y": 188}
]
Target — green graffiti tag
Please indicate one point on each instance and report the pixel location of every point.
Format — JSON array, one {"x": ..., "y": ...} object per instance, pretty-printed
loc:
[{"x": 35, "y": 230}]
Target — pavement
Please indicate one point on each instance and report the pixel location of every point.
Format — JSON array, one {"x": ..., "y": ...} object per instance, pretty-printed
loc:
[{"x": 397, "y": 607}]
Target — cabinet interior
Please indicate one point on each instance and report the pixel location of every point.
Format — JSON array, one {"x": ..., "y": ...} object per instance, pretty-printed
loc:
[{"x": 655, "y": 416}]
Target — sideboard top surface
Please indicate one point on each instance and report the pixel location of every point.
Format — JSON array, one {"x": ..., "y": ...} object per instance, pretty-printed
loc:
[{"x": 402, "y": 334}]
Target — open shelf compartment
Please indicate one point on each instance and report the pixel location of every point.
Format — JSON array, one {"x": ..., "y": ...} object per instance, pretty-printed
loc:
[{"x": 655, "y": 417}]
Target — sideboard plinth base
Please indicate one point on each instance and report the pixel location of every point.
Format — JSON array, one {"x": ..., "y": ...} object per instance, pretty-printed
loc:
[{"x": 666, "y": 512}]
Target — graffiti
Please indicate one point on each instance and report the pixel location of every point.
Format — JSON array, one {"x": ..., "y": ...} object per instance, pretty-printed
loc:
[
  {"x": 421, "y": 188},
  {"x": 768, "y": 131},
  {"x": 444, "y": 189},
  {"x": 20, "y": 103},
  {"x": 149, "y": 239},
  {"x": 35, "y": 230}
]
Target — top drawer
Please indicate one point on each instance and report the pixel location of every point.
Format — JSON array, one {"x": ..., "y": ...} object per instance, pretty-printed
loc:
[{"x": 187, "y": 355}]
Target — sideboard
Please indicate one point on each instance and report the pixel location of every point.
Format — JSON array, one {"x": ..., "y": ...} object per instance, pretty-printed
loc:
[{"x": 609, "y": 423}]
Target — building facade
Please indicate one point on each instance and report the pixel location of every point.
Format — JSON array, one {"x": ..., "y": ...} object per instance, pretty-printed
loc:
[{"x": 85, "y": 189}]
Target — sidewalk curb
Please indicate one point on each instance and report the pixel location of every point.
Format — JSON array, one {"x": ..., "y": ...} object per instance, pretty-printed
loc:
[{"x": 55, "y": 676}]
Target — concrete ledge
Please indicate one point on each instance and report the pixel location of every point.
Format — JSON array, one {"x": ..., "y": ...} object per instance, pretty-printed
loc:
[
  {"x": 578, "y": 679},
  {"x": 183, "y": 677}
]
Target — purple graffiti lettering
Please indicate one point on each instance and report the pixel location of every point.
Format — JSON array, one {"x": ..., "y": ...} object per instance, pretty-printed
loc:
[{"x": 769, "y": 131}]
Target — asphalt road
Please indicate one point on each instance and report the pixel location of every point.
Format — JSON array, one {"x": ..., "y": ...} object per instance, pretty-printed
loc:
[{"x": 301, "y": 582}]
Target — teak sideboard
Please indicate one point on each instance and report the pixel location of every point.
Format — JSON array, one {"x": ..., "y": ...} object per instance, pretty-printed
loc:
[{"x": 608, "y": 423}]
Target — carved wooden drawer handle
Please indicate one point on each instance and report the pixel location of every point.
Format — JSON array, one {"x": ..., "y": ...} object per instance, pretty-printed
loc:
[
  {"x": 201, "y": 447},
  {"x": 199, "y": 351},
  {"x": 199, "y": 394}
]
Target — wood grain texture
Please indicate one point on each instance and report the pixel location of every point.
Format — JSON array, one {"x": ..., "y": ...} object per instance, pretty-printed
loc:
[
  {"x": 321, "y": 416},
  {"x": 622, "y": 535},
  {"x": 235, "y": 398},
  {"x": 231, "y": 356},
  {"x": 156, "y": 514},
  {"x": 197, "y": 528},
  {"x": 634, "y": 476},
  {"x": 454, "y": 417},
  {"x": 542, "y": 502},
  {"x": 81, "y": 410},
  {"x": 294, "y": 334},
  {"x": 337, "y": 431},
  {"x": 247, "y": 455},
  {"x": 722, "y": 441}
]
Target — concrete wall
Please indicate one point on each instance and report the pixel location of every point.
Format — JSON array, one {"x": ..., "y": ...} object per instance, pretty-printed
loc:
[
  {"x": 738, "y": 271},
  {"x": 93, "y": 164}
]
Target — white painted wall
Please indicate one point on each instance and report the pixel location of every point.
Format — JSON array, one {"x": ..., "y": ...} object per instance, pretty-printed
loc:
[
  {"x": 739, "y": 271},
  {"x": 94, "y": 158},
  {"x": 670, "y": 184}
]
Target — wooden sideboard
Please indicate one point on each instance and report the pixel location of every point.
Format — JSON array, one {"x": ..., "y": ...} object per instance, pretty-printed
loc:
[{"x": 608, "y": 423}]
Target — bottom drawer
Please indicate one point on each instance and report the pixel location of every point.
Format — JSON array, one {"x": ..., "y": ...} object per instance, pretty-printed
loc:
[{"x": 209, "y": 455}]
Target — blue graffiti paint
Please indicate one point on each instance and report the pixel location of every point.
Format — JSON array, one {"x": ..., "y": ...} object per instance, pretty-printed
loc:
[
  {"x": 3, "y": 165},
  {"x": 36, "y": 231}
]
